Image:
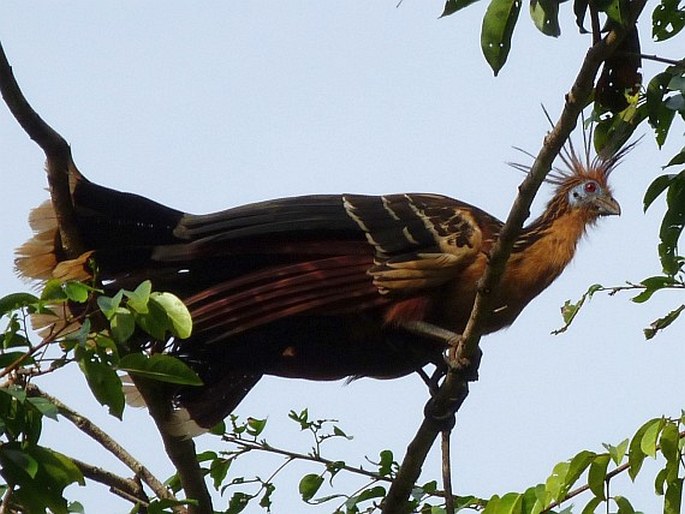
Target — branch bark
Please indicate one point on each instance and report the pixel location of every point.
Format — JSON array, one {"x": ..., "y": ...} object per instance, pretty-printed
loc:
[
  {"x": 126, "y": 488},
  {"x": 181, "y": 451},
  {"x": 97, "y": 434},
  {"x": 59, "y": 163},
  {"x": 454, "y": 389},
  {"x": 60, "y": 168}
]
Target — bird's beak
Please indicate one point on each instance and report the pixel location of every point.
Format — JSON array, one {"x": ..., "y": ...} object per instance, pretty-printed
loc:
[{"x": 607, "y": 206}]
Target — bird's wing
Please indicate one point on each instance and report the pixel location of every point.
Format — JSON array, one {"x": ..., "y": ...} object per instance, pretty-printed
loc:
[
  {"x": 420, "y": 241},
  {"x": 322, "y": 254}
]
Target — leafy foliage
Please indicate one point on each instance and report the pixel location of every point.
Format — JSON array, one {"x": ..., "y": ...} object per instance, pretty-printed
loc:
[{"x": 99, "y": 341}]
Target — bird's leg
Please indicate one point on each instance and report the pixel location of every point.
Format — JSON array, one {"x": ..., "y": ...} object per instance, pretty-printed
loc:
[
  {"x": 468, "y": 366},
  {"x": 425, "y": 329},
  {"x": 432, "y": 381},
  {"x": 444, "y": 416}
]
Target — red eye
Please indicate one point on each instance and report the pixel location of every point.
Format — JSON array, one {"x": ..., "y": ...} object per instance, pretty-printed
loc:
[{"x": 591, "y": 187}]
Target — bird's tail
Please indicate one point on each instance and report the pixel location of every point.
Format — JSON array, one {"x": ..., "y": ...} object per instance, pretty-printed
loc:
[{"x": 117, "y": 226}]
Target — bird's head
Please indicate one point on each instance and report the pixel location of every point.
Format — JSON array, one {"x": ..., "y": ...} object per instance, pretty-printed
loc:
[
  {"x": 591, "y": 193},
  {"x": 583, "y": 182}
]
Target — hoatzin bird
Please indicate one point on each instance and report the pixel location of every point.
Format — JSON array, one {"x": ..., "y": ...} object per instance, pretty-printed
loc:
[{"x": 317, "y": 287}]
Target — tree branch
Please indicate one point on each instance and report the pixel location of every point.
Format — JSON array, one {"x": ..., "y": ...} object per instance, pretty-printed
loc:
[
  {"x": 126, "y": 488},
  {"x": 454, "y": 388},
  {"x": 181, "y": 451},
  {"x": 60, "y": 169},
  {"x": 59, "y": 163},
  {"x": 97, "y": 434}
]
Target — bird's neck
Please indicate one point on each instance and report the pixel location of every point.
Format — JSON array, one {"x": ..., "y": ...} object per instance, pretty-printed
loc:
[{"x": 545, "y": 248}]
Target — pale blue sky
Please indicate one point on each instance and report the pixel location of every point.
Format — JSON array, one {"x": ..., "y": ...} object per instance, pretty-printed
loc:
[{"x": 203, "y": 106}]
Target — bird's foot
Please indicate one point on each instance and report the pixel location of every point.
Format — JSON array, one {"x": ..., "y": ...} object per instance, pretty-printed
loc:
[
  {"x": 466, "y": 365},
  {"x": 444, "y": 418}
]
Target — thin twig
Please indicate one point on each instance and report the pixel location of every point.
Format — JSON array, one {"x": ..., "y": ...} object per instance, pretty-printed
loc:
[
  {"x": 664, "y": 60},
  {"x": 291, "y": 455},
  {"x": 447, "y": 471},
  {"x": 6, "y": 499},
  {"x": 454, "y": 388},
  {"x": 97, "y": 434},
  {"x": 126, "y": 488}
]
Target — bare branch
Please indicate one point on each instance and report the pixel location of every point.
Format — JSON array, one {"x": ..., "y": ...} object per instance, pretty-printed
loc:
[
  {"x": 454, "y": 389},
  {"x": 181, "y": 451},
  {"x": 97, "y": 434},
  {"x": 126, "y": 488},
  {"x": 57, "y": 152},
  {"x": 447, "y": 471}
]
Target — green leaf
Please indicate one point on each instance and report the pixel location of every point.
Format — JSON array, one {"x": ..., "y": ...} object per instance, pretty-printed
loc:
[
  {"x": 53, "y": 291},
  {"x": 238, "y": 502},
  {"x": 555, "y": 483},
  {"x": 77, "y": 292},
  {"x": 9, "y": 358},
  {"x": 624, "y": 506},
  {"x": 265, "y": 500},
  {"x": 674, "y": 496},
  {"x": 16, "y": 301},
  {"x": 163, "y": 368},
  {"x": 660, "y": 117},
  {"x": 497, "y": 30},
  {"x": 255, "y": 426},
  {"x": 652, "y": 285},
  {"x": 108, "y": 305},
  {"x": 309, "y": 486},
  {"x": 660, "y": 481},
  {"x": 510, "y": 503},
  {"x": 15, "y": 392},
  {"x": 635, "y": 454},
  {"x": 385, "y": 463},
  {"x": 81, "y": 335},
  {"x": 677, "y": 159},
  {"x": 613, "y": 9},
  {"x": 668, "y": 19},
  {"x": 579, "y": 463},
  {"x": 650, "y": 436},
  {"x": 668, "y": 443},
  {"x": 138, "y": 299},
  {"x": 672, "y": 225},
  {"x": 618, "y": 452},
  {"x": 60, "y": 469},
  {"x": 370, "y": 493},
  {"x": 596, "y": 477},
  {"x": 177, "y": 312},
  {"x": 76, "y": 508},
  {"x": 545, "y": 15},
  {"x": 154, "y": 322},
  {"x": 105, "y": 385},
  {"x": 452, "y": 6},
  {"x": 20, "y": 459},
  {"x": 592, "y": 505},
  {"x": 122, "y": 324},
  {"x": 661, "y": 323},
  {"x": 569, "y": 310},
  {"x": 218, "y": 470},
  {"x": 658, "y": 186},
  {"x": 44, "y": 406}
]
